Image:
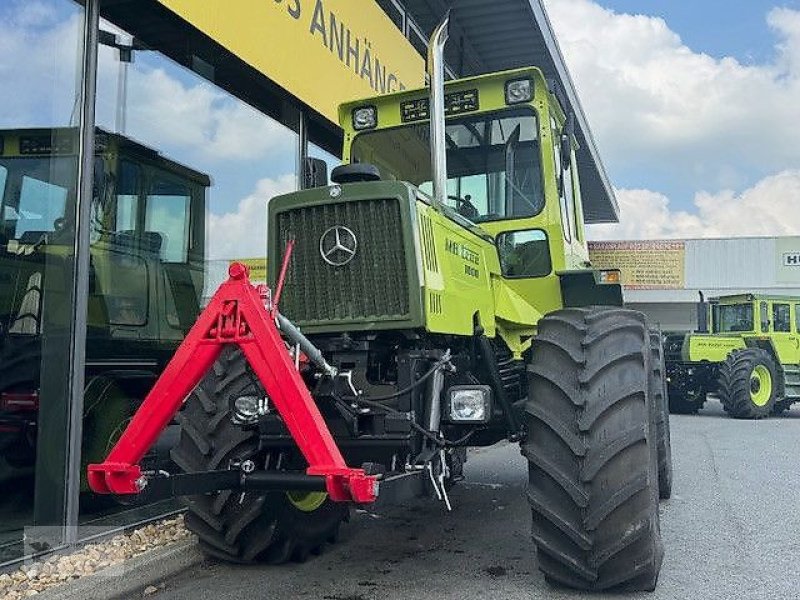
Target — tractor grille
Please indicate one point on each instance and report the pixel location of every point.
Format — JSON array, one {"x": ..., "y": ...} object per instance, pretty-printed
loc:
[{"x": 373, "y": 285}]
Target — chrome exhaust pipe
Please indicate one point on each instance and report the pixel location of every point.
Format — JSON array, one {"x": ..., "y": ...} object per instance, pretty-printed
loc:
[{"x": 436, "y": 111}]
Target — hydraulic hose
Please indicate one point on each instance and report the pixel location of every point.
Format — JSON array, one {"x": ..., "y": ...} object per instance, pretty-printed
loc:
[{"x": 314, "y": 354}]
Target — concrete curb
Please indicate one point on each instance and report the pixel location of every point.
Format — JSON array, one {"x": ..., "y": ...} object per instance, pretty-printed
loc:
[{"x": 131, "y": 577}]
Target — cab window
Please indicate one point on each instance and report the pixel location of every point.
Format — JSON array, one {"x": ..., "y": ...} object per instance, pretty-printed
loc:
[
  {"x": 524, "y": 253},
  {"x": 764, "y": 317},
  {"x": 781, "y": 319},
  {"x": 40, "y": 204},
  {"x": 127, "y": 196},
  {"x": 167, "y": 218},
  {"x": 733, "y": 317}
]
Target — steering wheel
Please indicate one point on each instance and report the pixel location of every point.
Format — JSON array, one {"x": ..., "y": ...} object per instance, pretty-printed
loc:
[{"x": 465, "y": 207}]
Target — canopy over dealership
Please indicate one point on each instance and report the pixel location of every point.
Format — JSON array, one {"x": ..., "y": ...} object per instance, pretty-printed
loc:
[{"x": 148, "y": 132}]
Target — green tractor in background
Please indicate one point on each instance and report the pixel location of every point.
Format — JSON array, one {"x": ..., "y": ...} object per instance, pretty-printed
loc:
[
  {"x": 750, "y": 358},
  {"x": 145, "y": 281},
  {"x": 444, "y": 276}
]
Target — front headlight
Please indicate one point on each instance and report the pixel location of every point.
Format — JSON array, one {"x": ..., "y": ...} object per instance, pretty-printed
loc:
[
  {"x": 365, "y": 117},
  {"x": 519, "y": 91},
  {"x": 469, "y": 404},
  {"x": 248, "y": 409}
]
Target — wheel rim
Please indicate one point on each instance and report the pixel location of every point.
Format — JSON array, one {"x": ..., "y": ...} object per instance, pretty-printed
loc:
[
  {"x": 760, "y": 385},
  {"x": 307, "y": 501}
]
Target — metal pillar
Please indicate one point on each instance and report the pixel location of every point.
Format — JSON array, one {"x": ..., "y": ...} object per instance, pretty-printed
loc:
[
  {"x": 302, "y": 148},
  {"x": 77, "y": 350}
]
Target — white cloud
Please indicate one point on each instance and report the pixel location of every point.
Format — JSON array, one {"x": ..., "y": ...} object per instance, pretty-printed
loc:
[
  {"x": 768, "y": 208},
  {"x": 243, "y": 232},
  {"x": 654, "y": 103}
]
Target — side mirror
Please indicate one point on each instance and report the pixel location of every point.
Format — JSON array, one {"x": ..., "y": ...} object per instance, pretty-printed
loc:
[{"x": 315, "y": 173}]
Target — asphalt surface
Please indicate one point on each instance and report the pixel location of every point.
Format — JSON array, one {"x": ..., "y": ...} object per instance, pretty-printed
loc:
[{"x": 731, "y": 530}]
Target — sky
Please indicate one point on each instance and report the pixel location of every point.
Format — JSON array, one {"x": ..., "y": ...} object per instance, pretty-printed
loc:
[{"x": 695, "y": 107}]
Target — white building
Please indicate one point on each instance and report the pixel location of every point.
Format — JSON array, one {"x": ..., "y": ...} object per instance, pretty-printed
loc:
[{"x": 663, "y": 278}]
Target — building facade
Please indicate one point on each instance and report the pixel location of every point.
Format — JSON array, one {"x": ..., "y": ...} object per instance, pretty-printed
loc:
[
  {"x": 140, "y": 141},
  {"x": 664, "y": 278}
]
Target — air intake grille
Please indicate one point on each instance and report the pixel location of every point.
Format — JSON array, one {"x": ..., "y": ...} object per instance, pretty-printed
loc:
[{"x": 373, "y": 285}]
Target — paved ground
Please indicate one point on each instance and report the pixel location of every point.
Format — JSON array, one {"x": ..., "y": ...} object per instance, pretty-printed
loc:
[{"x": 732, "y": 530}]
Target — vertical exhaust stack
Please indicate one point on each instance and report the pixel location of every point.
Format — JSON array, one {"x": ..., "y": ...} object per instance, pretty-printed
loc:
[{"x": 436, "y": 110}]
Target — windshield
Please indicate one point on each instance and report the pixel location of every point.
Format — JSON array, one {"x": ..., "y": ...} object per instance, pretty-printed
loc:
[
  {"x": 34, "y": 195},
  {"x": 733, "y": 317},
  {"x": 493, "y": 162}
]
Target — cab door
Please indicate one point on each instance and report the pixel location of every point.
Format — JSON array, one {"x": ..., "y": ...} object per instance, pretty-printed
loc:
[{"x": 785, "y": 336}]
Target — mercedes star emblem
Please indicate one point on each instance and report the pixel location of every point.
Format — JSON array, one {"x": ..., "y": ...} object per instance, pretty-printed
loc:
[{"x": 337, "y": 246}]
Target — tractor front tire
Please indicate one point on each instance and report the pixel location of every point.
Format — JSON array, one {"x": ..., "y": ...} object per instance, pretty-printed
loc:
[
  {"x": 270, "y": 527},
  {"x": 749, "y": 384},
  {"x": 592, "y": 460},
  {"x": 658, "y": 396}
]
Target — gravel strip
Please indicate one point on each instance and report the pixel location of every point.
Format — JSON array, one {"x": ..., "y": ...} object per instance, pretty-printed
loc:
[{"x": 35, "y": 577}]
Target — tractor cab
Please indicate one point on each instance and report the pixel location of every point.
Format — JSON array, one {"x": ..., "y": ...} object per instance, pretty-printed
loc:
[
  {"x": 511, "y": 169},
  {"x": 146, "y": 266}
]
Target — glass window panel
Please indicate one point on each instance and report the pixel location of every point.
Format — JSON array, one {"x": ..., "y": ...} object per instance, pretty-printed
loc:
[
  {"x": 187, "y": 180},
  {"x": 40, "y": 63},
  {"x": 781, "y": 318},
  {"x": 524, "y": 253},
  {"x": 493, "y": 162},
  {"x": 167, "y": 215}
]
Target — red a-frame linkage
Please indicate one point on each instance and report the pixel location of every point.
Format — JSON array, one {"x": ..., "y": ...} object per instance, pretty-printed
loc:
[{"x": 235, "y": 315}]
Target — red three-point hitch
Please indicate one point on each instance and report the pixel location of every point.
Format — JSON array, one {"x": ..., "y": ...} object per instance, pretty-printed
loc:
[{"x": 236, "y": 315}]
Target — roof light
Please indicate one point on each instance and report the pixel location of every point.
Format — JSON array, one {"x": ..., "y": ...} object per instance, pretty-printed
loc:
[
  {"x": 519, "y": 91},
  {"x": 365, "y": 117}
]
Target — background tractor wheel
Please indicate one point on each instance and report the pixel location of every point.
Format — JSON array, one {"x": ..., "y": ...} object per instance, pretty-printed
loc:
[
  {"x": 658, "y": 401},
  {"x": 781, "y": 406},
  {"x": 272, "y": 527},
  {"x": 592, "y": 460},
  {"x": 685, "y": 404},
  {"x": 749, "y": 383}
]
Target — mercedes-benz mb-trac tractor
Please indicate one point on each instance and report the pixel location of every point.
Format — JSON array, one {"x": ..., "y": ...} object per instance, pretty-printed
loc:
[
  {"x": 145, "y": 278},
  {"x": 435, "y": 297},
  {"x": 746, "y": 352}
]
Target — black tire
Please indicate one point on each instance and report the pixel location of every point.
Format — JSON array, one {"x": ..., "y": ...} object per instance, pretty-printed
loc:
[
  {"x": 781, "y": 406},
  {"x": 737, "y": 376},
  {"x": 592, "y": 460},
  {"x": 257, "y": 526},
  {"x": 681, "y": 404},
  {"x": 658, "y": 397}
]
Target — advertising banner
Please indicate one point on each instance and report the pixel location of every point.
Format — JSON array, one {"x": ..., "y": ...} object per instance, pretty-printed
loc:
[
  {"x": 645, "y": 265},
  {"x": 256, "y": 266},
  {"x": 324, "y": 52}
]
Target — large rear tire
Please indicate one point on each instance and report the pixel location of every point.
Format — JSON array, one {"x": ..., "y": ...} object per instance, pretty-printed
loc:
[
  {"x": 749, "y": 384},
  {"x": 658, "y": 397},
  {"x": 272, "y": 527},
  {"x": 592, "y": 463}
]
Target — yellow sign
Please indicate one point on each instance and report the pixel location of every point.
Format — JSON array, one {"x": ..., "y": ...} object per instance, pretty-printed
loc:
[
  {"x": 256, "y": 266},
  {"x": 324, "y": 52},
  {"x": 646, "y": 265}
]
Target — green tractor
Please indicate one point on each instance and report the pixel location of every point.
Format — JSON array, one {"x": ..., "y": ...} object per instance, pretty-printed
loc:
[
  {"x": 442, "y": 281},
  {"x": 750, "y": 358},
  {"x": 145, "y": 280}
]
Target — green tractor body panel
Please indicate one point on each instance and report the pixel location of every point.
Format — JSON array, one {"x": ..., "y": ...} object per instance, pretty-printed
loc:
[{"x": 436, "y": 268}]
